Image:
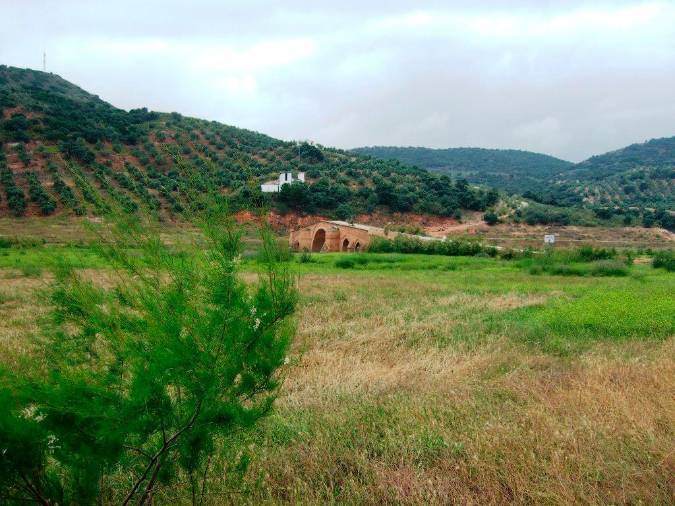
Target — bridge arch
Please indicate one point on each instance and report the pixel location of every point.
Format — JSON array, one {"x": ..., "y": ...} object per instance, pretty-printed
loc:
[{"x": 319, "y": 240}]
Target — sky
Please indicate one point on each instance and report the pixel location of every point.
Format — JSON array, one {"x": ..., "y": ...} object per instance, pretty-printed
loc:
[{"x": 568, "y": 78}]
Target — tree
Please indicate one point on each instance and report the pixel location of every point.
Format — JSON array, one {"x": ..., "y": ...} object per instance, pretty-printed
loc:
[
  {"x": 310, "y": 153},
  {"x": 144, "y": 376},
  {"x": 345, "y": 212},
  {"x": 491, "y": 218},
  {"x": 296, "y": 196},
  {"x": 76, "y": 149}
]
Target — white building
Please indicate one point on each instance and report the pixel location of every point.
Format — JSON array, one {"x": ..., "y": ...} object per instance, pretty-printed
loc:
[{"x": 284, "y": 178}]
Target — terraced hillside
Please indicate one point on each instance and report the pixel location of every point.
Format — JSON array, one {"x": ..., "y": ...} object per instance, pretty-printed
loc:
[{"x": 63, "y": 150}]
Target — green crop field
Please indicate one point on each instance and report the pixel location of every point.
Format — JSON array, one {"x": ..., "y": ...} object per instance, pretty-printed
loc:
[{"x": 433, "y": 379}]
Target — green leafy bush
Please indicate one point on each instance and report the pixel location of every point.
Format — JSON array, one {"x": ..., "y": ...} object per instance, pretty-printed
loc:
[
  {"x": 405, "y": 244},
  {"x": 609, "y": 268},
  {"x": 306, "y": 258},
  {"x": 491, "y": 218},
  {"x": 664, "y": 259},
  {"x": 146, "y": 379},
  {"x": 345, "y": 263},
  {"x": 589, "y": 254}
]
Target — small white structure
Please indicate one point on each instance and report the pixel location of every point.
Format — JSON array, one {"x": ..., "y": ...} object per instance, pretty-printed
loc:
[
  {"x": 284, "y": 178},
  {"x": 549, "y": 239}
]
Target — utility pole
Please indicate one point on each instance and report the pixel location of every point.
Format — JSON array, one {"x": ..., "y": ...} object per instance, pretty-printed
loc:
[{"x": 44, "y": 61}]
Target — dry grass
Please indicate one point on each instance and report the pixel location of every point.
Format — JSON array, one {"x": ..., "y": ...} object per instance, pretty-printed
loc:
[
  {"x": 375, "y": 411},
  {"x": 403, "y": 390}
]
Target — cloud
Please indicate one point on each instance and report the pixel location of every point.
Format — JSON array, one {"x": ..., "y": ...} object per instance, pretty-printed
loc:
[{"x": 570, "y": 78}]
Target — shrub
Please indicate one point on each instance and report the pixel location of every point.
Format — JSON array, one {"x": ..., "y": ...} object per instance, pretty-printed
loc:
[
  {"x": 664, "y": 259},
  {"x": 405, "y": 244},
  {"x": 306, "y": 258},
  {"x": 24, "y": 155},
  {"x": 589, "y": 253},
  {"x": 31, "y": 271},
  {"x": 148, "y": 378},
  {"x": 491, "y": 218},
  {"x": 345, "y": 263},
  {"x": 76, "y": 149},
  {"x": 609, "y": 268}
]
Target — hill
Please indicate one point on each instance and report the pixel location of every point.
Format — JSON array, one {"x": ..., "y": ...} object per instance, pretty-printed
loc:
[
  {"x": 64, "y": 150},
  {"x": 638, "y": 175},
  {"x": 632, "y": 185},
  {"x": 508, "y": 169}
]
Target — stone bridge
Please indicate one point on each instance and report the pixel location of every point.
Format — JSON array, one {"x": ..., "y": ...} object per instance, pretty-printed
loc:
[{"x": 333, "y": 236}]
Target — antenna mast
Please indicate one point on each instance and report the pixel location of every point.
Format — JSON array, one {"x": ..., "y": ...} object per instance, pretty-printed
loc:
[{"x": 44, "y": 61}]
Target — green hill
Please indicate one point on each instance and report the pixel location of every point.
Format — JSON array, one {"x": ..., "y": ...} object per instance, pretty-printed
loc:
[
  {"x": 637, "y": 175},
  {"x": 63, "y": 150},
  {"x": 508, "y": 169},
  {"x": 633, "y": 185}
]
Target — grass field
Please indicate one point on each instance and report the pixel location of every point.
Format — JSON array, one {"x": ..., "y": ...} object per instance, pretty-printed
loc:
[{"x": 421, "y": 379}]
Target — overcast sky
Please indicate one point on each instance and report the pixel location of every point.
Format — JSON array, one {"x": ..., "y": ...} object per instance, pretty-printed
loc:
[{"x": 568, "y": 78}]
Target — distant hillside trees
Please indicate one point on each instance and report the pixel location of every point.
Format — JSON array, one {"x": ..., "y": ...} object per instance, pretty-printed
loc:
[
  {"x": 15, "y": 129},
  {"x": 508, "y": 169},
  {"x": 16, "y": 200},
  {"x": 310, "y": 153},
  {"x": 39, "y": 195},
  {"x": 491, "y": 218},
  {"x": 76, "y": 149}
]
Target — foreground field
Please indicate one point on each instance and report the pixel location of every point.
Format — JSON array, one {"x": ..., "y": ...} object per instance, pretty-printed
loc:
[{"x": 421, "y": 379}]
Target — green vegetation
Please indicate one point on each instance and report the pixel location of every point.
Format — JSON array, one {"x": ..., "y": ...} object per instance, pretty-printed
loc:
[
  {"x": 404, "y": 363},
  {"x": 146, "y": 379},
  {"x": 630, "y": 186},
  {"x": 508, "y": 169},
  {"x": 39, "y": 195},
  {"x": 23, "y": 155},
  {"x": 16, "y": 200},
  {"x": 65, "y": 193},
  {"x": 73, "y": 128},
  {"x": 665, "y": 259},
  {"x": 89, "y": 193},
  {"x": 423, "y": 371},
  {"x": 406, "y": 244}
]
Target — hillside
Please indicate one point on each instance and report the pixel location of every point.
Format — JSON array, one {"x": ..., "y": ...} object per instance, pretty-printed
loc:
[
  {"x": 508, "y": 169},
  {"x": 637, "y": 175},
  {"x": 63, "y": 150},
  {"x": 628, "y": 186}
]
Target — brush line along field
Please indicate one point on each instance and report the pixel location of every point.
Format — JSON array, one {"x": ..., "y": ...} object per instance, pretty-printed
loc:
[{"x": 428, "y": 379}]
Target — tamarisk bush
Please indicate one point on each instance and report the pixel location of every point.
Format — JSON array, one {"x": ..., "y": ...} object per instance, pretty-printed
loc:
[{"x": 145, "y": 380}]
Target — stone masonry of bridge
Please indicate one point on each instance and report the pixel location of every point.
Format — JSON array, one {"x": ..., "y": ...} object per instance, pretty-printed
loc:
[{"x": 335, "y": 236}]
